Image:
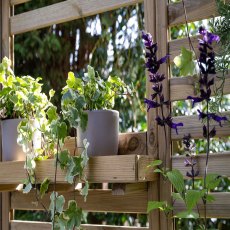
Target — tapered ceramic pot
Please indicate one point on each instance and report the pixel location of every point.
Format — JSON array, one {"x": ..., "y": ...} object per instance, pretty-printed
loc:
[
  {"x": 101, "y": 133},
  {"x": 11, "y": 151}
]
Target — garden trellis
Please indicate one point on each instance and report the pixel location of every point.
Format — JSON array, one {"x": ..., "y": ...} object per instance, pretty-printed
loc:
[{"x": 136, "y": 150}]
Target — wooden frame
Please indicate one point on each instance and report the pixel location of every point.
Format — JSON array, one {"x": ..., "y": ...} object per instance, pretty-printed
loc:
[{"x": 136, "y": 149}]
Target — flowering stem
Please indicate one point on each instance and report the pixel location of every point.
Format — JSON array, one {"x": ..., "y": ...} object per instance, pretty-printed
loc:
[
  {"x": 206, "y": 167},
  {"x": 166, "y": 144}
]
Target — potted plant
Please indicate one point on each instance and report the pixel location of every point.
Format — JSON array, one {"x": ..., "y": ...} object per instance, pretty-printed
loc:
[
  {"x": 22, "y": 106},
  {"x": 87, "y": 104}
]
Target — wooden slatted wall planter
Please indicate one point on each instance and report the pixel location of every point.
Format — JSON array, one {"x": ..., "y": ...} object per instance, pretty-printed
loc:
[
  {"x": 22, "y": 225},
  {"x": 136, "y": 149}
]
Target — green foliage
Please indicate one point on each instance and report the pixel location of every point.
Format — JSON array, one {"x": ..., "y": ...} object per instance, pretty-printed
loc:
[
  {"x": 212, "y": 181},
  {"x": 185, "y": 62},
  {"x": 89, "y": 93},
  {"x": 44, "y": 187},
  {"x": 177, "y": 180},
  {"x": 156, "y": 205}
]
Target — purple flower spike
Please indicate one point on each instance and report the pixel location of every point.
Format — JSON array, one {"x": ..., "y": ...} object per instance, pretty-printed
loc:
[
  {"x": 195, "y": 100},
  {"x": 208, "y": 37},
  {"x": 173, "y": 125},
  {"x": 218, "y": 118},
  {"x": 212, "y": 133},
  {"x": 151, "y": 104},
  {"x": 164, "y": 59}
]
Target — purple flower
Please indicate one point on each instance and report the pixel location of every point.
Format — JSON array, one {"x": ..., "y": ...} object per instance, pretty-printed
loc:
[
  {"x": 212, "y": 133},
  {"x": 187, "y": 141},
  {"x": 156, "y": 78},
  {"x": 168, "y": 121},
  {"x": 151, "y": 104},
  {"x": 213, "y": 116},
  {"x": 195, "y": 100},
  {"x": 207, "y": 36}
]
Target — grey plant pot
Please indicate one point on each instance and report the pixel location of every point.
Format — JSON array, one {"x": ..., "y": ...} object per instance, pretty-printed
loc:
[
  {"x": 11, "y": 151},
  {"x": 101, "y": 133}
]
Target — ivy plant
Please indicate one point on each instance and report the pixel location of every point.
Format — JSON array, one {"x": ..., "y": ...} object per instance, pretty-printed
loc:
[{"x": 89, "y": 93}]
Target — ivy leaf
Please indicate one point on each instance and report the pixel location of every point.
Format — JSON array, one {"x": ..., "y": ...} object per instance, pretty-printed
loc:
[
  {"x": 85, "y": 190},
  {"x": 60, "y": 201},
  {"x": 74, "y": 214},
  {"x": 60, "y": 222},
  {"x": 187, "y": 214},
  {"x": 28, "y": 188},
  {"x": 52, "y": 113},
  {"x": 185, "y": 62},
  {"x": 63, "y": 158},
  {"x": 44, "y": 187},
  {"x": 62, "y": 131},
  {"x": 177, "y": 180},
  {"x": 191, "y": 198},
  {"x": 156, "y": 205}
]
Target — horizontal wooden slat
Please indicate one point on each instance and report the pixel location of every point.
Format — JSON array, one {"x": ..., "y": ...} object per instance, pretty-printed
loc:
[
  {"x": 97, "y": 200},
  {"x": 220, "y": 208},
  {"x": 193, "y": 125},
  {"x": 218, "y": 163},
  {"x": 29, "y": 225},
  {"x": 196, "y": 10},
  {"x": 54, "y": 14},
  {"x": 16, "y": 2},
  {"x": 182, "y": 87},
  {"x": 129, "y": 144},
  {"x": 100, "y": 169}
]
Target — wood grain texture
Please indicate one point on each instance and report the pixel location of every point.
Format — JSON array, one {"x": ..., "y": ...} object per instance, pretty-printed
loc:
[
  {"x": 196, "y": 10},
  {"x": 54, "y": 14},
  {"x": 97, "y": 200},
  {"x": 164, "y": 141},
  {"x": 121, "y": 169},
  {"x": 152, "y": 141},
  {"x": 182, "y": 87},
  {"x": 193, "y": 125},
  {"x": 129, "y": 143},
  {"x": 29, "y": 225},
  {"x": 17, "y": 2},
  {"x": 220, "y": 208},
  {"x": 132, "y": 143},
  {"x": 218, "y": 163}
]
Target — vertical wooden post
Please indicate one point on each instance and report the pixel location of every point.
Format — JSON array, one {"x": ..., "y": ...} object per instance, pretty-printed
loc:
[
  {"x": 6, "y": 50},
  {"x": 153, "y": 187},
  {"x": 164, "y": 145}
]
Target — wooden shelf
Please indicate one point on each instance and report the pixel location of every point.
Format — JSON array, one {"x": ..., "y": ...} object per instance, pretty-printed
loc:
[{"x": 113, "y": 169}]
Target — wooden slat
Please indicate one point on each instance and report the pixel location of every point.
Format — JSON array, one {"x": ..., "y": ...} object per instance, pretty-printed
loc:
[
  {"x": 129, "y": 143},
  {"x": 54, "y": 14},
  {"x": 29, "y": 225},
  {"x": 218, "y": 163},
  {"x": 17, "y": 2},
  {"x": 100, "y": 169},
  {"x": 196, "y": 10},
  {"x": 152, "y": 139},
  {"x": 97, "y": 200},
  {"x": 182, "y": 87},
  {"x": 164, "y": 143},
  {"x": 193, "y": 125},
  {"x": 176, "y": 45},
  {"x": 132, "y": 143},
  {"x": 220, "y": 208}
]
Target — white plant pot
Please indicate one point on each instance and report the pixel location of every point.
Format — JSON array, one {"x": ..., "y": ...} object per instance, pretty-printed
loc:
[
  {"x": 101, "y": 133},
  {"x": 11, "y": 150}
]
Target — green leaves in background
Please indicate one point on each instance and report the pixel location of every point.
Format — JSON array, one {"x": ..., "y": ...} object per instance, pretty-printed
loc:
[{"x": 185, "y": 62}]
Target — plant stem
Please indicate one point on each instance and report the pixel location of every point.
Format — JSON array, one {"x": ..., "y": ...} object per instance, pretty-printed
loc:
[
  {"x": 206, "y": 167},
  {"x": 55, "y": 181}
]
